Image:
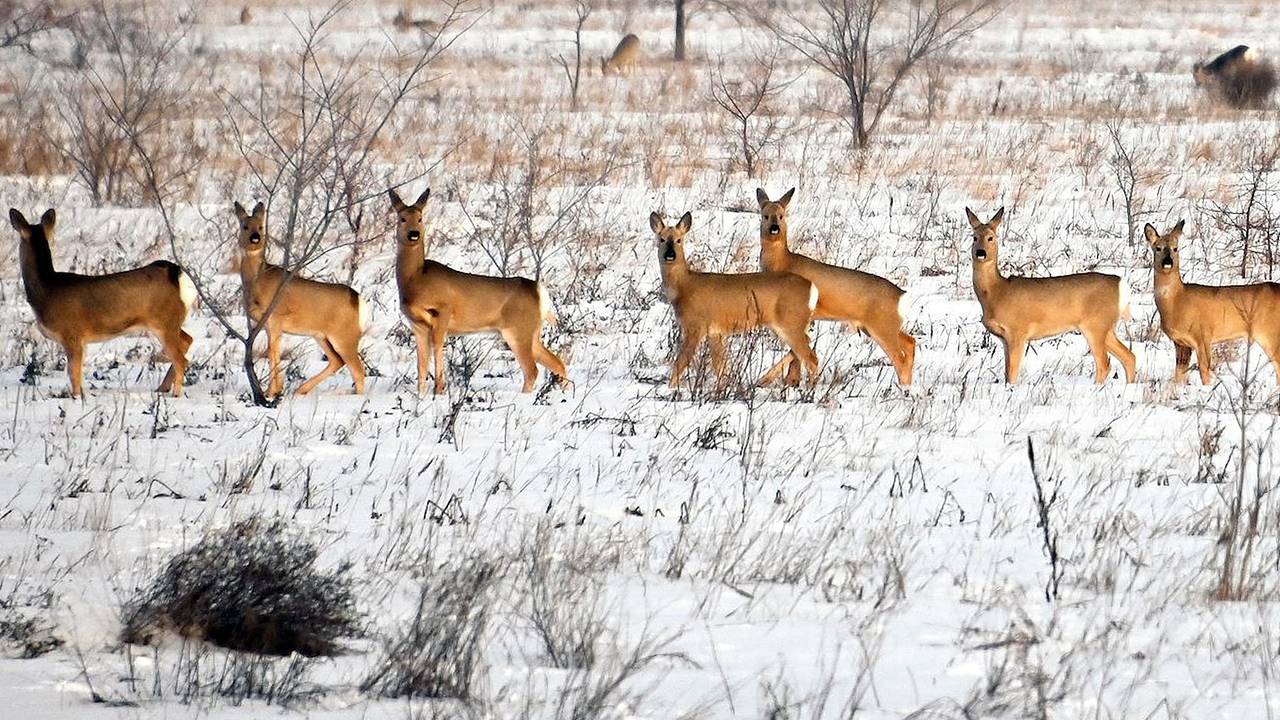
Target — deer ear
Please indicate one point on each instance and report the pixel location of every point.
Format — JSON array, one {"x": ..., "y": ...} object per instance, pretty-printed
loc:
[
  {"x": 1177, "y": 229},
  {"x": 396, "y": 202},
  {"x": 49, "y": 219},
  {"x": 1151, "y": 234},
  {"x": 238, "y": 209},
  {"x": 655, "y": 222},
  {"x": 16, "y": 219},
  {"x": 686, "y": 222},
  {"x": 259, "y": 210},
  {"x": 974, "y": 222},
  {"x": 762, "y": 197},
  {"x": 996, "y": 219},
  {"x": 422, "y": 199},
  {"x": 785, "y": 200}
]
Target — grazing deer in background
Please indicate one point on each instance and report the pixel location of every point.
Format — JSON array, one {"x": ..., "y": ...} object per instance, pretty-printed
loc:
[
  {"x": 624, "y": 56},
  {"x": 713, "y": 305},
  {"x": 246, "y": 16},
  {"x": 332, "y": 314},
  {"x": 75, "y": 310},
  {"x": 1197, "y": 317},
  {"x": 1020, "y": 309},
  {"x": 863, "y": 301},
  {"x": 404, "y": 21},
  {"x": 439, "y": 301},
  {"x": 1239, "y": 76}
]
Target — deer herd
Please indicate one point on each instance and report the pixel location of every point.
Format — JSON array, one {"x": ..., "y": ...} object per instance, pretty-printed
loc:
[{"x": 789, "y": 292}]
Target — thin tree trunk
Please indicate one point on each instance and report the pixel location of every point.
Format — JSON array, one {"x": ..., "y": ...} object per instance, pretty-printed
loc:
[{"x": 680, "y": 25}]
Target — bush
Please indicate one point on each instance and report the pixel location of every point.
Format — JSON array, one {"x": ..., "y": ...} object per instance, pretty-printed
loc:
[
  {"x": 437, "y": 653},
  {"x": 252, "y": 587}
]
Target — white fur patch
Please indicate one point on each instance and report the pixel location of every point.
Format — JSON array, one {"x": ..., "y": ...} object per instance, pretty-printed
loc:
[
  {"x": 545, "y": 308},
  {"x": 362, "y": 310},
  {"x": 904, "y": 305},
  {"x": 1126, "y": 310},
  {"x": 813, "y": 296},
  {"x": 1251, "y": 55},
  {"x": 187, "y": 291}
]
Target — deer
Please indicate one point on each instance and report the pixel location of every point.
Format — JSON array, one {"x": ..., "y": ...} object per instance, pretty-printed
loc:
[
  {"x": 711, "y": 306},
  {"x": 438, "y": 301},
  {"x": 624, "y": 56},
  {"x": 76, "y": 310},
  {"x": 332, "y": 314},
  {"x": 246, "y": 15},
  {"x": 1239, "y": 76},
  {"x": 863, "y": 301},
  {"x": 404, "y": 22},
  {"x": 1197, "y": 317},
  {"x": 1020, "y": 309}
]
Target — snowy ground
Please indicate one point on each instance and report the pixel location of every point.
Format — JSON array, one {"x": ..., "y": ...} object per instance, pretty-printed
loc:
[{"x": 786, "y": 554}]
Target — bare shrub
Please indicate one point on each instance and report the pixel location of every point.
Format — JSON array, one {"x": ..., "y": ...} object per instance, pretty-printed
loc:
[
  {"x": 748, "y": 100},
  {"x": 253, "y": 587},
  {"x": 598, "y": 692},
  {"x": 573, "y": 75},
  {"x": 437, "y": 653},
  {"x": 1248, "y": 217},
  {"x": 567, "y": 610},
  {"x": 871, "y": 46},
  {"x": 26, "y": 630},
  {"x": 1132, "y": 169}
]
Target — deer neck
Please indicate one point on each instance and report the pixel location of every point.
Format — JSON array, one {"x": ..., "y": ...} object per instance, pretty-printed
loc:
[
  {"x": 675, "y": 276},
  {"x": 409, "y": 262},
  {"x": 1168, "y": 285},
  {"x": 987, "y": 280},
  {"x": 775, "y": 254},
  {"x": 37, "y": 270},
  {"x": 251, "y": 267}
]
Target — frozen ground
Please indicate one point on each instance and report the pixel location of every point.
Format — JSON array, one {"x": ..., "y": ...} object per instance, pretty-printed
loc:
[{"x": 864, "y": 547}]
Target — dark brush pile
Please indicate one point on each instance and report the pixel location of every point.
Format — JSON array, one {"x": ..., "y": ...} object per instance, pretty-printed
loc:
[{"x": 252, "y": 587}]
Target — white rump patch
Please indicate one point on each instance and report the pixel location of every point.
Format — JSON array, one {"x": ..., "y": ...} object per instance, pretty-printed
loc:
[
  {"x": 363, "y": 310},
  {"x": 545, "y": 309},
  {"x": 813, "y": 296},
  {"x": 187, "y": 291},
  {"x": 1126, "y": 311}
]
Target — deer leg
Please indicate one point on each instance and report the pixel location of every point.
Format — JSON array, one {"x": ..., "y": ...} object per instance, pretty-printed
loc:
[
  {"x": 901, "y": 349},
  {"x": 1098, "y": 346},
  {"x": 274, "y": 335},
  {"x": 798, "y": 340},
  {"x": 1124, "y": 355},
  {"x": 690, "y": 339},
  {"x": 550, "y": 361},
  {"x": 1014, "y": 347},
  {"x": 176, "y": 345},
  {"x": 1204, "y": 358},
  {"x": 439, "y": 334},
  {"x": 75, "y": 367},
  {"x": 335, "y": 364},
  {"x": 1182, "y": 361},
  {"x": 788, "y": 364},
  {"x": 718, "y": 359},
  {"x": 349, "y": 349},
  {"x": 521, "y": 344},
  {"x": 423, "y": 337},
  {"x": 1273, "y": 354}
]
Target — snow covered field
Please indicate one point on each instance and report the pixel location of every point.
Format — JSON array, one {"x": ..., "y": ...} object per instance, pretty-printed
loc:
[{"x": 856, "y": 550}]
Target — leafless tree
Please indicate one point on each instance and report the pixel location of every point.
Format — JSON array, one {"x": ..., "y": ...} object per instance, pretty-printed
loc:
[
  {"x": 139, "y": 80},
  {"x": 21, "y": 22},
  {"x": 1248, "y": 218},
  {"x": 310, "y": 147},
  {"x": 871, "y": 46},
  {"x": 747, "y": 101},
  {"x": 583, "y": 9},
  {"x": 1131, "y": 167}
]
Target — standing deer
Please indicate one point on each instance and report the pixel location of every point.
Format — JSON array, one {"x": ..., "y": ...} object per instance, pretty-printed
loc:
[
  {"x": 863, "y": 301},
  {"x": 332, "y": 314},
  {"x": 439, "y": 301},
  {"x": 1197, "y": 317},
  {"x": 75, "y": 310},
  {"x": 624, "y": 56},
  {"x": 1020, "y": 309},
  {"x": 713, "y": 305},
  {"x": 1239, "y": 76}
]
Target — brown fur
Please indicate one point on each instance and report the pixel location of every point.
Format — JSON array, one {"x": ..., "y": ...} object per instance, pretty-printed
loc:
[
  {"x": 713, "y": 305},
  {"x": 404, "y": 21},
  {"x": 1197, "y": 317},
  {"x": 246, "y": 15},
  {"x": 624, "y": 57},
  {"x": 863, "y": 301},
  {"x": 439, "y": 301},
  {"x": 1020, "y": 309},
  {"x": 75, "y": 310},
  {"x": 327, "y": 312}
]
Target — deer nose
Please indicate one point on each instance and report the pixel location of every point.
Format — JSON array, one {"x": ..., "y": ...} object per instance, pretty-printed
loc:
[
  {"x": 980, "y": 254},
  {"x": 774, "y": 229},
  {"x": 255, "y": 237},
  {"x": 414, "y": 235}
]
